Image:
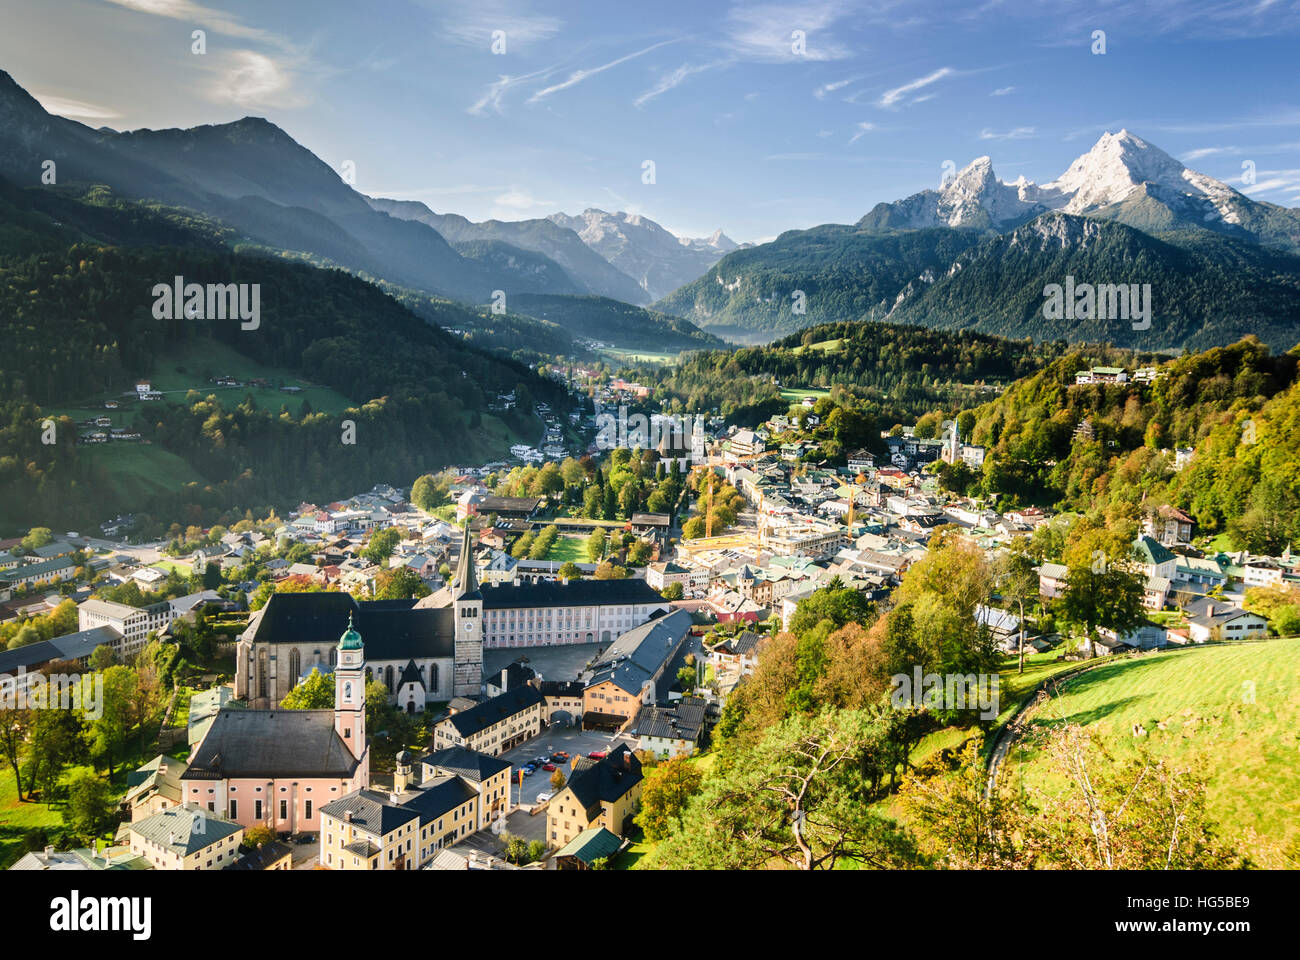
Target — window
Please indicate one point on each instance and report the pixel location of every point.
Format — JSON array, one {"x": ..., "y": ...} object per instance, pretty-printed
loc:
[
  {"x": 307, "y": 810},
  {"x": 234, "y": 809},
  {"x": 257, "y": 809},
  {"x": 284, "y": 809}
]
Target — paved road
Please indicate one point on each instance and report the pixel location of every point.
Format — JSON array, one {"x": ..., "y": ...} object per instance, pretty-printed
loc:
[{"x": 576, "y": 742}]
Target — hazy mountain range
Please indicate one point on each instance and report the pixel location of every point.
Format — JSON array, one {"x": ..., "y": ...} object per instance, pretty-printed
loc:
[
  {"x": 975, "y": 252},
  {"x": 277, "y": 195}
]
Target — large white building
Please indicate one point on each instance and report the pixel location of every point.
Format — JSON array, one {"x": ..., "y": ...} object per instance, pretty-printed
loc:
[
  {"x": 133, "y": 623},
  {"x": 550, "y": 612}
]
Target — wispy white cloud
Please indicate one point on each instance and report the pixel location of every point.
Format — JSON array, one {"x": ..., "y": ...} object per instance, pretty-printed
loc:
[
  {"x": 828, "y": 88},
  {"x": 217, "y": 21},
  {"x": 249, "y": 79},
  {"x": 77, "y": 109},
  {"x": 891, "y": 97},
  {"x": 472, "y": 22},
  {"x": 517, "y": 199},
  {"x": 765, "y": 32},
  {"x": 1001, "y": 91},
  {"x": 493, "y": 97},
  {"x": 578, "y": 76},
  {"x": 863, "y": 129},
  {"x": 246, "y": 78},
  {"x": 1271, "y": 181},
  {"x": 675, "y": 77},
  {"x": 1016, "y": 133}
]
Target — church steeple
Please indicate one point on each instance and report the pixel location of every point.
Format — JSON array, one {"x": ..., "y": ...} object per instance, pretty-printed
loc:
[{"x": 465, "y": 585}]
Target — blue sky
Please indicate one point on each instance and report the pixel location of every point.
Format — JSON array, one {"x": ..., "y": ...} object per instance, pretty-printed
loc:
[{"x": 745, "y": 132}]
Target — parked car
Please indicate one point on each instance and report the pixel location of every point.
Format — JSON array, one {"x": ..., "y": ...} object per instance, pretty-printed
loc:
[
  {"x": 548, "y": 767},
  {"x": 597, "y": 755},
  {"x": 544, "y": 796},
  {"x": 561, "y": 754},
  {"x": 528, "y": 771}
]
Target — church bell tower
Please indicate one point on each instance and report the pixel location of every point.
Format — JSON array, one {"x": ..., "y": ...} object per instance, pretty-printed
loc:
[
  {"x": 350, "y": 698},
  {"x": 467, "y": 604}
]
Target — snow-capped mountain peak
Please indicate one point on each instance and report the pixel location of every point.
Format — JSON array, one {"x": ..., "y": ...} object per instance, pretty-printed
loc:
[{"x": 1120, "y": 167}]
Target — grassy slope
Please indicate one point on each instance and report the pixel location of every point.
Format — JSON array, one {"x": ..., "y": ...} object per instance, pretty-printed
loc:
[
  {"x": 796, "y": 394},
  {"x": 1248, "y": 751}
]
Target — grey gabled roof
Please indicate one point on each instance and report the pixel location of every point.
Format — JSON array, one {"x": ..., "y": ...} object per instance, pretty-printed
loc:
[
  {"x": 604, "y": 781},
  {"x": 371, "y": 811},
  {"x": 575, "y": 593},
  {"x": 185, "y": 830},
  {"x": 471, "y": 721},
  {"x": 272, "y": 743},
  {"x": 437, "y": 797},
  {"x": 679, "y": 720},
  {"x": 640, "y": 653},
  {"x": 467, "y": 763},
  {"x": 390, "y": 629}
]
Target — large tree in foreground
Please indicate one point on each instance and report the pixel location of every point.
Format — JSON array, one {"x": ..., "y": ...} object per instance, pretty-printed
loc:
[
  {"x": 1102, "y": 592},
  {"x": 796, "y": 800}
]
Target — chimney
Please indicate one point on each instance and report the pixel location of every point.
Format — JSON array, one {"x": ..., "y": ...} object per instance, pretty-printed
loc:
[
  {"x": 49, "y": 852},
  {"x": 627, "y": 760},
  {"x": 347, "y": 816},
  {"x": 1209, "y": 610}
]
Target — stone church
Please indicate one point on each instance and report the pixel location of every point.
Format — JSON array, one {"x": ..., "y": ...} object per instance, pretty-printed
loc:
[{"x": 421, "y": 654}]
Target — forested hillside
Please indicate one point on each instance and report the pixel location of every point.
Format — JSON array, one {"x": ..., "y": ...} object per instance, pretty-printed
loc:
[
  {"x": 81, "y": 328},
  {"x": 1237, "y": 406},
  {"x": 895, "y": 372},
  {"x": 843, "y": 272}
]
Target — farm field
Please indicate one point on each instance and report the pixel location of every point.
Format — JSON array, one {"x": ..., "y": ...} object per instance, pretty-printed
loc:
[{"x": 1231, "y": 713}]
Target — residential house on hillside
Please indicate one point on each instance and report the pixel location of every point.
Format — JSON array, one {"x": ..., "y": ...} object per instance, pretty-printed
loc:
[
  {"x": 1168, "y": 525},
  {"x": 1210, "y": 619},
  {"x": 1153, "y": 558}
]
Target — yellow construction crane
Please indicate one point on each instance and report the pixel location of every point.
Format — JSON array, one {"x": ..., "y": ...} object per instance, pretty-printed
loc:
[{"x": 708, "y": 510}]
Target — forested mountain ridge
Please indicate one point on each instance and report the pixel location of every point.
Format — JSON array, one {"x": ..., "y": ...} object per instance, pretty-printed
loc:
[
  {"x": 1206, "y": 289},
  {"x": 979, "y": 253},
  {"x": 81, "y": 328},
  {"x": 1237, "y": 407},
  {"x": 843, "y": 273}
]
